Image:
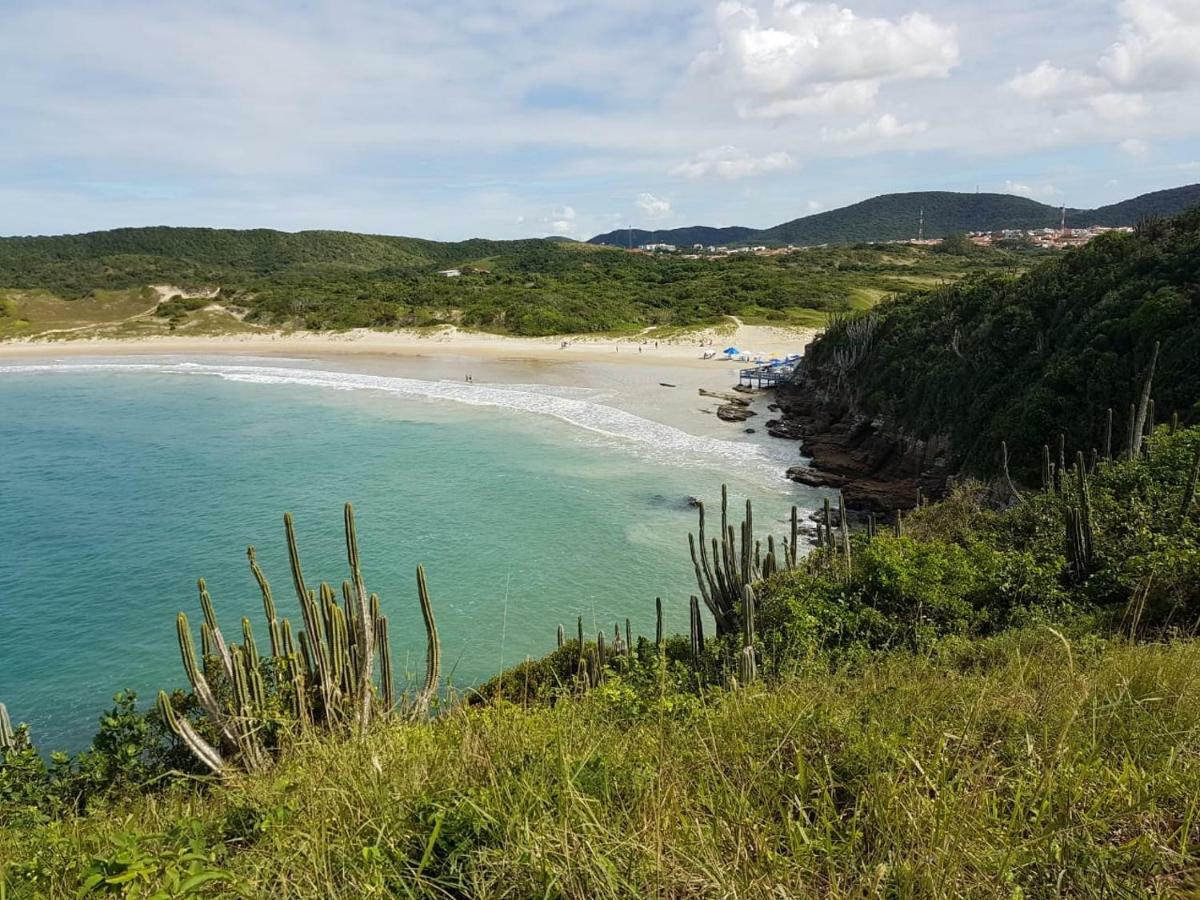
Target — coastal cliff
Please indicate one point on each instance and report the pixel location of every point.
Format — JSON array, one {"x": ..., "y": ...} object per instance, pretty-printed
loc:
[{"x": 878, "y": 470}]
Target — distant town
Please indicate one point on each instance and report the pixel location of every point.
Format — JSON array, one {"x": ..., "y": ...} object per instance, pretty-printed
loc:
[{"x": 1041, "y": 238}]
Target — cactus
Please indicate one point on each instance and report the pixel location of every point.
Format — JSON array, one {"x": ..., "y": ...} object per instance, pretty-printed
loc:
[
  {"x": 736, "y": 560},
  {"x": 1145, "y": 405},
  {"x": 658, "y": 622},
  {"x": 1079, "y": 531},
  {"x": 1108, "y": 425},
  {"x": 1060, "y": 471},
  {"x": 7, "y": 735},
  {"x": 747, "y": 668},
  {"x": 628, "y": 637},
  {"x": 1189, "y": 493},
  {"x": 561, "y": 637},
  {"x": 697, "y": 629},
  {"x": 328, "y": 683}
]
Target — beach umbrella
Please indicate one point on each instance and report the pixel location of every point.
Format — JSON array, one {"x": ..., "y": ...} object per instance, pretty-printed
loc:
[{"x": 731, "y": 351}]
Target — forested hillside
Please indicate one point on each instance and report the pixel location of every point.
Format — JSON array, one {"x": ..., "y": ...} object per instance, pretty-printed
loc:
[
  {"x": 896, "y": 217},
  {"x": 322, "y": 279},
  {"x": 1025, "y": 359}
]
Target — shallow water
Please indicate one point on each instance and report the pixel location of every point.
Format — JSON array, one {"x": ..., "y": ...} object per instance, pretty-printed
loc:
[{"x": 121, "y": 482}]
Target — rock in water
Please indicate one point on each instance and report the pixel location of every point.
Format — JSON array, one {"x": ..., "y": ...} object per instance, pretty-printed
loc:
[{"x": 730, "y": 413}]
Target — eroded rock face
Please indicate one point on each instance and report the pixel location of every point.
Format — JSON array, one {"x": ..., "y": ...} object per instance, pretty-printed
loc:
[{"x": 876, "y": 470}]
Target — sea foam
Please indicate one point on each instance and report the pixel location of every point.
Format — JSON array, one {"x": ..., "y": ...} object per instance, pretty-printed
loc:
[{"x": 655, "y": 440}]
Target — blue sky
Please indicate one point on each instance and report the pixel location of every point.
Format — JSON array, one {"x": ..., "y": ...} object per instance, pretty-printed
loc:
[{"x": 530, "y": 117}]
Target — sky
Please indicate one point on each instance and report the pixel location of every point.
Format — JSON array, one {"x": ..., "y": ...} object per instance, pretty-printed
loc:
[{"x": 481, "y": 118}]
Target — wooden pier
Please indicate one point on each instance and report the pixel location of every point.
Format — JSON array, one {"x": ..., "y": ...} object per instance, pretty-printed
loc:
[{"x": 760, "y": 377}]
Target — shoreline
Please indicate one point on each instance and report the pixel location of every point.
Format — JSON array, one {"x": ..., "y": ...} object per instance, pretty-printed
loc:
[
  {"x": 447, "y": 341},
  {"x": 669, "y": 384}
]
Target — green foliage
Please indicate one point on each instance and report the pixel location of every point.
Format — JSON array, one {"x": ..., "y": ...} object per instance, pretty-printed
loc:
[
  {"x": 995, "y": 358},
  {"x": 334, "y": 280},
  {"x": 1016, "y": 765}
]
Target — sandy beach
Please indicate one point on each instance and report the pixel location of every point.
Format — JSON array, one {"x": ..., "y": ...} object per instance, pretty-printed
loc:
[
  {"x": 688, "y": 350},
  {"x": 659, "y": 381}
]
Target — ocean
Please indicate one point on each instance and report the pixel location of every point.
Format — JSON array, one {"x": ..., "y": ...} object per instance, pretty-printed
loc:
[{"x": 123, "y": 481}]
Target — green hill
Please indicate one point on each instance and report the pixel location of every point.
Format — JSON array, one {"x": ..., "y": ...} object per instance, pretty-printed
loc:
[
  {"x": 680, "y": 237},
  {"x": 1025, "y": 359},
  {"x": 895, "y": 217},
  {"x": 1128, "y": 213},
  {"x": 327, "y": 279}
]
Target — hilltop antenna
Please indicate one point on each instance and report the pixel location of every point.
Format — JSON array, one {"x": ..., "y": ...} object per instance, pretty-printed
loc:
[{"x": 921, "y": 226}]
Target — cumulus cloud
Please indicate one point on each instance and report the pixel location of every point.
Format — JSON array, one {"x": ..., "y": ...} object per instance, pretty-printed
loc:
[
  {"x": 732, "y": 163},
  {"x": 1135, "y": 147},
  {"x": 1032, "y": 191},
  {"x": 653, "y": 207},
  {"x": 1155, "y": 52},
  {"x": 886, "y": 127},
  {"x": 562, "y": 220},
  {"x": 795, "y": 57}
]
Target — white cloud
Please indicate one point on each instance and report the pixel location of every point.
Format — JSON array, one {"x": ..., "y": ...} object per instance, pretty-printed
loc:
[
  {"x": 1032, "y": 191},
  {"x": 1134, "y": 147},
  {"x": 732, "y": 163},
  {"x": 562, "y": 220},
  {"x": 796, "y": 58},
  {"x": 886, "y": 127},
  {"x": 1046, "y": 80},
  {"x": 1155, "y": 52},
  {"x": 1156, "y": 47},
  {"x": 653, "y": 207}
]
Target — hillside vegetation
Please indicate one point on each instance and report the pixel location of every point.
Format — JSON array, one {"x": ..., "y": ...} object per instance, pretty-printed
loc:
[
  {"x": 962, "y": 708},
  {"x": 324, "y": 280},
  {"x": 1026, "y": 359},
  {"x": 894, "y": 217}
]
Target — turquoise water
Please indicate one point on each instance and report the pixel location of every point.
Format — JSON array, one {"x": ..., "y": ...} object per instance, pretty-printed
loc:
[{"x": 121, "y": 484}]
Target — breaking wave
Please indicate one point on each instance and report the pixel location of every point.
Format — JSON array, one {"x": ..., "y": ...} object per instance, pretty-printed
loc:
[{"x": 660, "y": 442}]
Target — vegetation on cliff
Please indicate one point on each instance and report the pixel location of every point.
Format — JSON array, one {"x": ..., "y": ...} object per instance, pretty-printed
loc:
[
  {"x": 1000, "y": 697},
  {"x": 1023, "y": 359},
  {"x": 335, "y": 280}
]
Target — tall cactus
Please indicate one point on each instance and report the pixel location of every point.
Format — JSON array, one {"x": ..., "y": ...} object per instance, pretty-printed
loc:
[
  {"x": 736, "y": 560},
  {"x": 329, "y": 683},
  {"x": 697, "y": 629},
  {"x": 1144, "y": 403},
  {"x": 7, "y": 735}
]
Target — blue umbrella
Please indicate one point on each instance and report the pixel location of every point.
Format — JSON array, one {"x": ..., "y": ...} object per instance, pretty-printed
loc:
[{"x": 732, "y": 351}]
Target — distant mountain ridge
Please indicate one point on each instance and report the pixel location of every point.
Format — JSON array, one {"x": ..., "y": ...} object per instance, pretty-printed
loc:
[{"x": 894, "y": 217}]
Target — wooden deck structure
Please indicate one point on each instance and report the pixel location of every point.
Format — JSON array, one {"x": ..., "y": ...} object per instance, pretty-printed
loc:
[{"x": 761, "y": 376}]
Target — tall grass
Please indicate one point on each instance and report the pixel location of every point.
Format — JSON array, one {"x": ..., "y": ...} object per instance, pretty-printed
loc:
[{"x": 1024, "y": 765}]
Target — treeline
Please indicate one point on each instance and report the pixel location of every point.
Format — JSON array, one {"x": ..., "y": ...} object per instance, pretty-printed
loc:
[
  {"x": 336, "y": 280},
  {"x": 1024, "y": 359}
]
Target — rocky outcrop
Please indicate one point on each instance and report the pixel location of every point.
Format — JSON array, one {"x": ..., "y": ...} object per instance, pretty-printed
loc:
[
  {"x": 730, "y": 412},
  {"x": 877, "y": 470}
]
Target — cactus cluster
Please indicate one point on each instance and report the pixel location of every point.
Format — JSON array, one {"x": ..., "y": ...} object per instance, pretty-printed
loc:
[
  {"x": 727, "y": 565},
  {"x": 324, "y": 676}
]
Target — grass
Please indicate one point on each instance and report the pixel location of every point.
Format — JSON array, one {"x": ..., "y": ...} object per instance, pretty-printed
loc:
[{"x": 1023, "y": 765}]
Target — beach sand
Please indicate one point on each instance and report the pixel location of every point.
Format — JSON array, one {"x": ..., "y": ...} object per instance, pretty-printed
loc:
[{"x": 628, "y": 373}]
